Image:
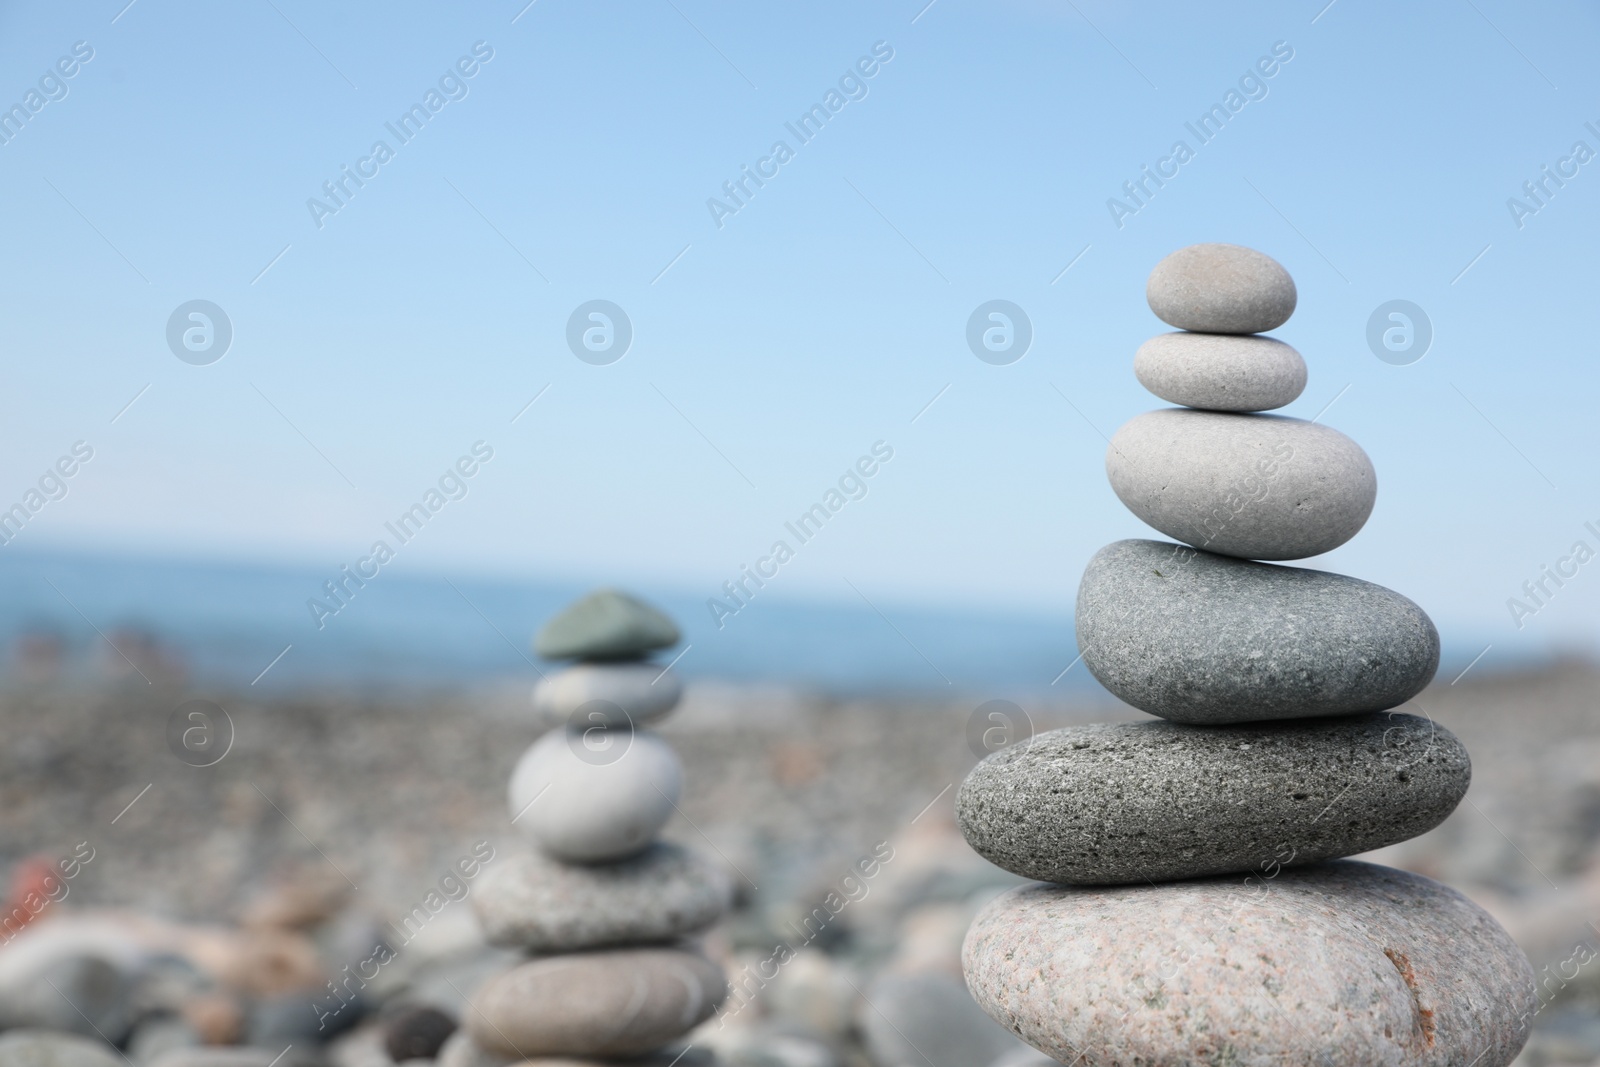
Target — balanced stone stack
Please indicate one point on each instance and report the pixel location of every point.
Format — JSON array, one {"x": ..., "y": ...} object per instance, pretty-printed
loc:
[
  {"x": 1195, "y": 917},
  {"x": 604, "y": 910}
]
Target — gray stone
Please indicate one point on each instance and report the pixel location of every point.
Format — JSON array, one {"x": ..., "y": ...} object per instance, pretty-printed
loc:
[
  {"x": 158, "y": 1035},
  {"x": 1200, "y": 638},
  {"x": 543, "y": 905},
  {"x": 1339, "y": 965},
  {"x": 928, "y": 1020},
  {"x": 613, "y": 1003},
  {"x": 459, "y": 1050},
  {"x": 1220, "y": 373},
  {"x": 594, "y": 796},
  {"x": 605, "y": 625},
  {"x": 47, "y": 1048},
  {"x": 1221, "y": 288},
  {"x": 416, "y": 1032},
  {"x": 462, "y": 1051},
  {"x": 66, "y": 989},
  {"x": 217, "y": 1056},
  {"x": 1253, "y": 486},
  {"x": 1155, "y": 801},
  {"x": 605, "y": 694}
]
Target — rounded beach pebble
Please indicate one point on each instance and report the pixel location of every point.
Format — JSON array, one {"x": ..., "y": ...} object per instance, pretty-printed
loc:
[
  {"x": 1155, "y": 801},
  {"x": 595, "y": 1003},
  {"x": 1221, "y": 288},
  {"x": 1200, "y": 638},
  {"x": 1339, "y": 965},
  {"x": 542, "y": 905},
  {"x": 1253, "y": 486},
  {"x": 605, "y": 694},
  {"x": 1220, "y": 373},
  {"x": 592, "y": 796}
]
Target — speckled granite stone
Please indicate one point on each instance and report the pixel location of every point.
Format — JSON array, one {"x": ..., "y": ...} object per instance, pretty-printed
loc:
[
  {"x": 1339, "y": 965},
  {"x": 1253, "y": 486},
  {"x": 543, "y": 905},
  {"x": 1221, "y": 288},
  {"x": 1220, "y": 373},
  {"x": 1201, "y": 638},
  {"x": 1155, "y": 801}
]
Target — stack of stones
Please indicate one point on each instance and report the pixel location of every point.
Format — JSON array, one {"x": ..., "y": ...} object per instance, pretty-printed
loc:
[
  {"x": 603, "y": 909},
  {"x": 1194, "y": 916}
]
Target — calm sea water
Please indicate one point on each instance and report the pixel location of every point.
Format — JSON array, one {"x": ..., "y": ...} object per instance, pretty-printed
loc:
[{"x": 226, "y": 622}]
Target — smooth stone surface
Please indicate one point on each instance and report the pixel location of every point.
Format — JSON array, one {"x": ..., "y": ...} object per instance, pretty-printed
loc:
[
  {"x": 47, "y": 1048},
  {"x": 66, "y": 989},
  {"x": 1220, "y": 373},
  {"x": 605, "y": 694},
  {"x": 596, "y": 1004},
  {"x": 1340, "y": 965},
  {"x": 1221, "y": 288},
  {"x": 1201, "y": 638},
  {"x": 1252, "y": 486},
  {"x": 605, "y": 625},
  {"x": 210, "y": 1056},
  {"x": 543, "y": 905},
  {"x": 1154, "y": 801},
  {"x": 918, "y": 1020},
  {"x": 587, "y": 810},
  {"x": 416, "y": 1033},
  {"x": 462, "y": 1051}
]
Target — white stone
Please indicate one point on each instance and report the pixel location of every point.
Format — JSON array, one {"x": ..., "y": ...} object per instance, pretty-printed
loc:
[{"x": 595, "y": 795}]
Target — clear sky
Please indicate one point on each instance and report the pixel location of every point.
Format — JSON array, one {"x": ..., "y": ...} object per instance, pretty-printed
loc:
[{"x": 377, "y": 337}]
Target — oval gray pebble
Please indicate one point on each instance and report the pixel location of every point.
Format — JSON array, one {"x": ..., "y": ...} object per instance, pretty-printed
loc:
[
  {"x": 1221, "y": 288},
  {"x": 612, "y": 1003},
  {"x": 1155, "y": 801},
  {"x": 605, "y": 694},
  {"x": 1340, "y": 965},
  {"x": 543, "y": 905},
  {"x": 1200, "y": 638},
  {"x": 1253, "y": 486},
  {"x": 1220, "y": 373}
]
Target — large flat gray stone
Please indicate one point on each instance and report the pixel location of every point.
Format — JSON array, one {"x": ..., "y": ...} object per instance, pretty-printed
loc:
[
  {"x": 1142, "y": 802},
  {"x": 1339, "y": 965},
  {"x": 1200, "y": 638},
  {"x": 1253, "y": 486},
  {"x": 542, "y": 905}
]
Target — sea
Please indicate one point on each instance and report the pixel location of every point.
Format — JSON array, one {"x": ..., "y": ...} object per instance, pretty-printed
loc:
[{"x": 241, "y": 624}]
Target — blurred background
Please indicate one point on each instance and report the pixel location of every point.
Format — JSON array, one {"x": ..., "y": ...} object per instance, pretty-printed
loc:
[{"x": 280, "y": 274}]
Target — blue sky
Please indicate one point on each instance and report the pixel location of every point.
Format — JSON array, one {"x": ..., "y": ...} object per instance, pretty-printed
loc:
[{"x": 769, "y": 353}]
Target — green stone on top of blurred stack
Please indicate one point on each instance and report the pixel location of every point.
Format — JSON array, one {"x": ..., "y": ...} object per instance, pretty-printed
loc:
[{"x": 606, "y": 625}]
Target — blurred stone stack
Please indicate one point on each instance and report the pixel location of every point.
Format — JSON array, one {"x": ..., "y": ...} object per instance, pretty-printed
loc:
[
  {"x": 601, "y": 907},
  {"x": 1192, "y": 919}
]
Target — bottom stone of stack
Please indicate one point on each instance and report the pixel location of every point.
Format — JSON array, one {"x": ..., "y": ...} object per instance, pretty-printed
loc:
[
  {"x": 594, "y": 1004},
  {"x": 1342, "y": 964}
]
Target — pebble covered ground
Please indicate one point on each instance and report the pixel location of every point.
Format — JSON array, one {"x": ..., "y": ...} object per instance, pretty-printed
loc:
[{"x": 333, "y": 817}]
